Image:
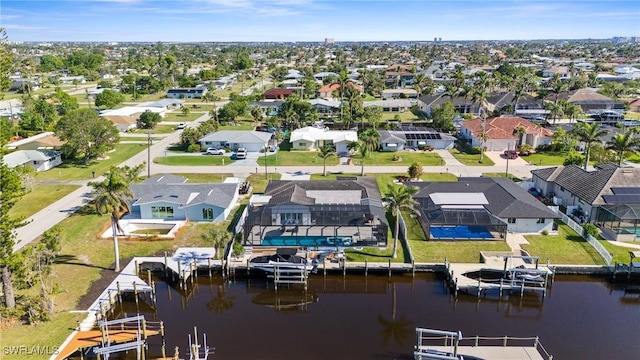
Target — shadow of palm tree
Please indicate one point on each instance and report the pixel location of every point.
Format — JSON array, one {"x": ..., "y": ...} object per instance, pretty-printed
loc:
[
  {"x": 73, "y": 260},
  {"x": 221, "y": 302},
  {"x": 397, "y": 329}
]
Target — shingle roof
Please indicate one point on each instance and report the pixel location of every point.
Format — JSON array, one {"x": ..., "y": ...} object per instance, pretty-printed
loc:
[
  {"x": 184, "y": 195},
  {"x": 506, "y": 199},
  {"x": 590, "y": 185},
  {"x": 295, "y": 192}
]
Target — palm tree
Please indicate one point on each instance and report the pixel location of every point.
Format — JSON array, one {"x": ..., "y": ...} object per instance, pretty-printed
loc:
[
  {"x": 555, "y": 110},
  {"x": 325, "y": 153},
  {"x": 588, "y": 134},
  {"x": 256, "y": 113},
  {"x": 371, "y": 139},
  {"x": 112, "y": 196},
  {"x": 519, "y": 131},
  {"x": 479, "y": 96},
  {"x": 622, "y": 143},
  {"x": 363, "y": 151},
  {"x": 396, "y": 199},
  {"x": 217, "y": 238}
]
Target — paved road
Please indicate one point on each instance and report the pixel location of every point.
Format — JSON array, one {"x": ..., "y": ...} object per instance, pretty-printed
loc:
[{"x": 58, "y": 211}]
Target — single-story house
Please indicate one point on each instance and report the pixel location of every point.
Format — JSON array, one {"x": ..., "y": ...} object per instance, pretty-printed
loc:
[
  {"x": 39, "y": 160},
  {"x": 462, "y": 105},
  {"x": 399, "y": 93},
  {"x": 392, "y": 105},
  {"x": 124, "y": 123},
  {"x": 576, "y": 188},
  {"x": 410, "y": 137},
  {"x": 324, "y": 74},
  {"x": 253, "y": 141},
  {"x": 68, "y": 80},
  {"x": 327, "y": 91},
  {"x": 343, "y": 212},
  {"x": 589, "y": 100},
  {"x": 167, "y": 104},
  {"x": 132, "y": 110},
  {"x": 187, "y": 93},
  {"x": 169, "y": 197},
  {"x": 276, "y": 94},
  {"x": 269, "y": 108},
  {"x": 45, "y": 140},
  {"x": 500, "y": 133},
  {"x": 324, "y": 106},
  {"x": 312, "y": 138},
  {"x": 477, "y": 208}
]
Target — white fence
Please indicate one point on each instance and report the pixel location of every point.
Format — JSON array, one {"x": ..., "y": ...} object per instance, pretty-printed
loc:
[
  {"x": 240, "y": 224},
  {"x": 590, "y": 239}
]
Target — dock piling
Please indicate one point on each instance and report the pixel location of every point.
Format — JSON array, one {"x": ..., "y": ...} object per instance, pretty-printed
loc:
[
  {"x": 366, "y": 267},
  {"x": 389, "y": 267}
]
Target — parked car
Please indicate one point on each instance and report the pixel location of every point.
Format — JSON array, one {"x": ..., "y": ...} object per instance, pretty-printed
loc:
[
  {"x": 241, "y": 153},
  {"x": 215, "y": 151},
  {"x": 511, "y": 154},
  {"x": 181, "y": 126}
]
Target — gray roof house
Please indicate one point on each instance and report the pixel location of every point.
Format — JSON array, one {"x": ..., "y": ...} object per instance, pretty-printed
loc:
[
  {"x": 169, "y": 197},
  {"x": 252, "y": 140},
  {"x": 39, "y": 160},
  {"x": 586, "y": 191},
  {"x": 411, "y": 137},
  {"x": 344, "y": 212},
  {"x": 479, "y": 208}
]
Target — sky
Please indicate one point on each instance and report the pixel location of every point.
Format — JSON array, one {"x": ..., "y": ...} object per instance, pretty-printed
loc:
[{"x": 315, "y": 20}]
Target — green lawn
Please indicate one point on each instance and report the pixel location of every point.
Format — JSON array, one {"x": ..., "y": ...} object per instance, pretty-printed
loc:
[
  {"x": 550, "y": 158},
  {"x": 41, "y": 196},
  {"x": 377, "y": 255},
  {"x": 161, "y": 129},
  {"x": 406, "y": 158},
  {"x": 620, "y": 254},
  {"x": 383, "y": 179},
  {"x": 290, "y": 158},
  {"x": 635, "y": 158},
  {"x": 70, "y": 171},
  {"x": 567, "y": 247},
  {"x": 471, "y": 159},
  {"x": 138, "y": 138},
  {"x": 239, "y": 125},
  {"x": 404, "y": 117},
  {"x": 510, "y": 176},
  {"x": 259, "y": 181},
  {"x": 177, "y": 116},
  {"x": 194, "y": 160}
]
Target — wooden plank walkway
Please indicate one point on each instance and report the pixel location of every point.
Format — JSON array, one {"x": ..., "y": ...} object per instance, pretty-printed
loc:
[
  {"x": 495, "y": 352},
  {"x": 85, "y": 339}
]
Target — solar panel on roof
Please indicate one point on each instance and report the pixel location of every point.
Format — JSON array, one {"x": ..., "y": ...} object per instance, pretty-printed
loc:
[
  {"x": 626, "y": 190},
  {"x": 622, "y": 199}
]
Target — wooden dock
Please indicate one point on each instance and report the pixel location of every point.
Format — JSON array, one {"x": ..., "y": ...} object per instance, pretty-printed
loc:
[{"x": 491, "y": 352}]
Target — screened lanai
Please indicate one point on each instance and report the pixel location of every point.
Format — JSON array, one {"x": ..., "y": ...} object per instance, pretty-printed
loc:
[
  {"x": 451, "y": 223},
  {"x": 621, "y": 219}
]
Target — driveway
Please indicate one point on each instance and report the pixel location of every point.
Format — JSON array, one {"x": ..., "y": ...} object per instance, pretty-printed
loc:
[{"x": 501, "y": 160}]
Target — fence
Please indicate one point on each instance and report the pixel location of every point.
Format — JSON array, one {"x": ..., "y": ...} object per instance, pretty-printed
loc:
[
  {"x": 240, "y": 224},
  {"x": 590, "y": 239},
  {"x": 403, "y": 238}
]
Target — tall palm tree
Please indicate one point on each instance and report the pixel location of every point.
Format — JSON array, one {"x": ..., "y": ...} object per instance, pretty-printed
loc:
[
  {"x": 479, "y": 96},
  {"x": 396, "y": 199},
  {"x": 112, "y": 196},
  {"x": 363, "y": 151},
  {"x": 324, "y": 153},
  {"x": 588, "y": 134},
  {"x": 371, "y": 139},
  {"x": 555, "y": 110},
  {"x": 217, "y": 238},
  {"x": 519, "y": 131},
  {"x": 623, "y": 143},
  {"x": 256, "y": 113}
]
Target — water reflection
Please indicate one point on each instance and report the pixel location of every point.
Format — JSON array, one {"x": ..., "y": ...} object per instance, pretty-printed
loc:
[{"x": 359, "y": 317}]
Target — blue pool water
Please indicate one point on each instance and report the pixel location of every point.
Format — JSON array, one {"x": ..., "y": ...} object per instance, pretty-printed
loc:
[
  {"x": 460, "y": 232},
  {"x": 307, "y": 241}
]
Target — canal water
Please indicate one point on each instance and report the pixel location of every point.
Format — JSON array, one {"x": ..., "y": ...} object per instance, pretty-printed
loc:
[{"x": 374, "y": 317}]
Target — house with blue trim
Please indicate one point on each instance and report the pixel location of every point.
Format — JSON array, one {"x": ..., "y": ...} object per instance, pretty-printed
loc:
[{"x": 170, "y": 197}]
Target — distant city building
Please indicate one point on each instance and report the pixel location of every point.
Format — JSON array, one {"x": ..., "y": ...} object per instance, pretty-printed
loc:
[{"x": 328, "y": 41}]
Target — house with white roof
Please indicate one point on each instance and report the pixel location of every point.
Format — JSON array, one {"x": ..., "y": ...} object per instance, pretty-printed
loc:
[
  {"x": 311, "y": 138},
  {"x": 253, "y": 141},
  {"x": 39, "y": 160},
  {"x": 132, "y": 110}
]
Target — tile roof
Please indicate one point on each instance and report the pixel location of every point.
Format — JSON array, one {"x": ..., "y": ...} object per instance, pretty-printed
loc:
[
  {"x": 506, "y": 198},
  {"x": 503, "y": 127},
  {"x": 277, "y": 92},
  {"x": 329, "y": 88}
]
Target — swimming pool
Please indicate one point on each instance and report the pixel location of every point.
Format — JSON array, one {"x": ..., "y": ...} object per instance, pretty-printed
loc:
[
  {"x": 307, "y": 241},
  {"x": 460, "y": 232}
]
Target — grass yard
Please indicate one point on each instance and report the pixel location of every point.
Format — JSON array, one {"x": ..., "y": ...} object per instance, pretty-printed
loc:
[
  {"x": 138, "y": 138},
  {"x": 83, "y": 260},
  {"x": 289, "y": 158},
  {"x": 620, "y": 254},
  {"x": 242, "y": 125},
  {"x": 194, "y": 160},
  {"x": 546, "y": 158},
  {"x": 161, "y": 129},
  {"x": 510, "y": 176},
  {"x": 177, "y": 116},
  {"x": 259, "y": 181},
  {"x": 635, "y": 158},
  {"x": 377, "y": 255},
  {"x": 404, "y": 117},
  {"x": 471, "y": 159},
  {"x": 406, "y": 158},
  {"x": 41, "y": 196},
  {"x": 567, "y": 247},
  {"x": 383, "y": 179},
  {"x": 70, "y": 171},
  {"x": 454, "y": 251}
]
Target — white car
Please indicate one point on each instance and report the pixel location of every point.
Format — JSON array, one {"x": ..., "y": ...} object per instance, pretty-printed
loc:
[
  {"x": 241, "y": 153},
  {"x": 215, "y": 151},
  {"x": 181, "y": 126}
]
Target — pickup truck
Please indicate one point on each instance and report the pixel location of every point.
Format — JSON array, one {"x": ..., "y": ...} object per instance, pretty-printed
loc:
[{"x": 241, "y": 153}]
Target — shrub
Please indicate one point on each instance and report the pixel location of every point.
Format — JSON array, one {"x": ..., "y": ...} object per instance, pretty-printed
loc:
[
  {"x": 415, "y": 171},
  {"x": 193, "y": 148},
  {"x": 475, "y": 150},
  {"x": 544, "y": 232},
  {"x": 590, "y": 229},
  {"x": 238, "y": 249},
  {"x": 396, "y": 157}
]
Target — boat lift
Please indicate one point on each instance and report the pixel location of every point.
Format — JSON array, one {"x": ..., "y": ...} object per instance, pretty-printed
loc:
[{"x": 451, "y": 340}]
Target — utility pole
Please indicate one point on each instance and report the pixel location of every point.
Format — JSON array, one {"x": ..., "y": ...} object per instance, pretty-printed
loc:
[
  {"x": 148, "y": 153},
  {"x": 506, "y": 172}
]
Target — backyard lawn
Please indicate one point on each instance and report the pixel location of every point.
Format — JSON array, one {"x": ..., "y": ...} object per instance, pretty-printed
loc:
[
  {"x": 239, "y": 125},
  {"x": 471, "y": 159},
  {"x": 41, "y": 196},
  {"x": 407, "y": 158},
  {"x": 70, "y": 171},
  {"x": 567, "y": 247},
  {"x": 543, "y": 158},
  {"x": 177, "y": 116},
  {"x": 194, "y": 160},
  {"x": 510, "y": 176},
  {"x": 160, "y": 129},
  {"x": 260, "y": 181}
]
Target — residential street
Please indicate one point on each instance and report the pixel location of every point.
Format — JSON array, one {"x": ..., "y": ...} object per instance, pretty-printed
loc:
[{"x": 58, "y": 211}]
